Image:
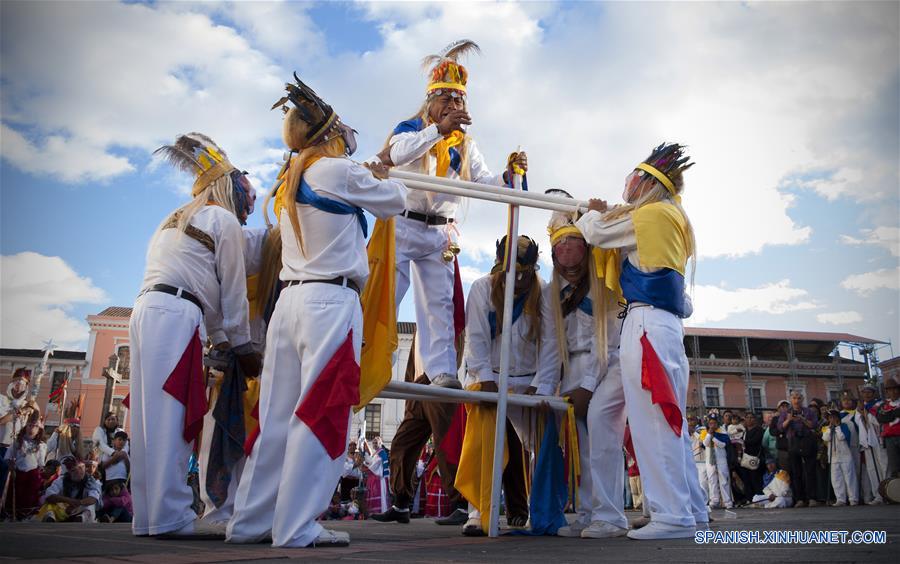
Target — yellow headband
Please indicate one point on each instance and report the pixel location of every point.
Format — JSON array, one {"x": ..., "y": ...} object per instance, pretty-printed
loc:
[
  {"x": 450, "y": 85},
  {"x": 658, "y": 175},
  {"x": 568, "y": 230},
  {"x": 210, "y": 175}
]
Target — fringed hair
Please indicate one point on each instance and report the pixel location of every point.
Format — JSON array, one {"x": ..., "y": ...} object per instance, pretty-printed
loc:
[
  {"x": 294, "y": 133},
  {"x": 532, "y": 307},
  {"x": 268, "y": 272},
  {"x": 670, "y": 159}
]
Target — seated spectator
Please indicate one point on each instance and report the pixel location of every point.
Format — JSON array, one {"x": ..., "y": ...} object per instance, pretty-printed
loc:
[
  {"x": 777, "y": 491},
  {"x": 72, "y": 497},
  {"x": 50, "y": 473},
  {"x": 116, "y": 503}
]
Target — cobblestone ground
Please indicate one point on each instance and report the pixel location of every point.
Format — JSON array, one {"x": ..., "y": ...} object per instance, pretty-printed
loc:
[{"x": 423, "y": 541}]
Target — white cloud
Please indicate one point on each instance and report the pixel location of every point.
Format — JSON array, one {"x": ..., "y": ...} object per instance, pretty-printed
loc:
[
  {"x": 887, "y": 237},
  {"x": 839, "y": 317},
  {"x": 37, "y": 293},
  {"x": 867, "y": 283},
  {"x": 469, "y": 274},
  {"x": 713, "y": 303},
  {"x": 586, "y": 88}
]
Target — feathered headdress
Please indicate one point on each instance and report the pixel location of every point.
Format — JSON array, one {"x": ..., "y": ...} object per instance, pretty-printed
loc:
[
  {"x": 318, "y": 115},
  {"x": 666, "y": 163},
  {"x": 445, "y": 72},
  {"x": 198, "y": 155}
]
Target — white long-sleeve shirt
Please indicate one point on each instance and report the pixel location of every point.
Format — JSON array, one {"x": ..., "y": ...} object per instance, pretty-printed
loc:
[
  {"x": 407, "y": 151},
  {"x": 580, "y": 339},
  {"x": 28, "y": 458},
  {"x": 334, "y": 243},
  {"x": 840, "y": 449},
  {"x": 483, "y": 352},
  {"x": 99, "y": 441},
  {"x": 219, "y": 280},
  {"x": 715, "y": 449}
]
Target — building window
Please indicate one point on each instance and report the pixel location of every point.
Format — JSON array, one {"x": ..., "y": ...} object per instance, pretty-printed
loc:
[
  {"x": 712, "y": 396},
  {"x": 59, "y": 378},
  {"x": 834, "y": 395},
  {"x": 119, "y": 410},
  {"x": 756, "y": 399},
  {"x": 123, "y": 355},
  {"x": 373, "y": 421}
]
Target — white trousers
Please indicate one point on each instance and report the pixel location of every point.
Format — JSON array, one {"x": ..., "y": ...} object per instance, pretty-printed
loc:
[
  {"x": 844, "y": 480},
  {"x": 289, "y": 477},
  {"x": 418, "y": 249},
  {"x": 719, "y": 480},
  {"x": 224, "y": 512},
  {"x": 160, "y": 329},
  {"x": 606, "y": 433},
  {"x": 668, "y": 476},
  {"x": 702, "y": 478},
  {"x": 876, "y": 471}
]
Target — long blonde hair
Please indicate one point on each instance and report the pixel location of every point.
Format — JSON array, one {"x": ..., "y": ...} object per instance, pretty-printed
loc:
[
  {"x": 269, "y": 270},
  {"x": 599, "y": 299},
  {"x": 219, "y": 192},
  {"x": 656, "y": 192},
  {"x": 294, "y": 133}
]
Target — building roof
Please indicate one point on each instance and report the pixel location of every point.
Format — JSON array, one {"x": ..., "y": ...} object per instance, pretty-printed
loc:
[
  {"x": 38, "y": 353},
  {"x": 774, "y": 334},
  {"x": 406, "y": 327},
  {"x": 116, "y": 311}
]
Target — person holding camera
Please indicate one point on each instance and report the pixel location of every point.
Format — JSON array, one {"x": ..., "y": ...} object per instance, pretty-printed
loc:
[{"x": 798, "y": 424}]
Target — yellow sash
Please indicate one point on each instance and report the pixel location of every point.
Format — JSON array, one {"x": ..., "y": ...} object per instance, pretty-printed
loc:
[
  {"x": 279, "y": 193},
  {"x": 441, "y": 151},
  {"x": 662, "y": 237}
]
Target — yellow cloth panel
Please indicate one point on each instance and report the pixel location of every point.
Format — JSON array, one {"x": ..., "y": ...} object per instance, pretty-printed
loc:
[
  {"x": 609, "y": 268},
  {"x": 662, "y": 238},
  {"x": 279, "y": 193},
  {"x": 379, "y": 314},
  {"x": 473, "y": 477},
  {"x": 252, "y": 283},
  {"x": 251, "y": 396}
]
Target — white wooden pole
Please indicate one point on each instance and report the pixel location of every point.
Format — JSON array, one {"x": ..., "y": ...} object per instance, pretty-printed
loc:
[
  {"x": 488, "y": 189},
  {"x": 408, "y": 390},
  {"x": 505, "y": 346}
]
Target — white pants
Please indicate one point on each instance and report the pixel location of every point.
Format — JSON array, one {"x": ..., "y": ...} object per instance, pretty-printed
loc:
[
  {"x": 667, "y": 473},
  {"x": 719, "y": 481},
  {"x": 160, "y": 329},
  {"x": 703, "y": 479},
  {"x": 606, "y": 432},
  {"x": 224, "y": 512},
  {"x": 419, "y": 246},
  {"x": 876, "y": 471},
  {"x": 844, "y": 480},
  {"x": 777, "y": 503},
  {"x": 289, "y": 477}
]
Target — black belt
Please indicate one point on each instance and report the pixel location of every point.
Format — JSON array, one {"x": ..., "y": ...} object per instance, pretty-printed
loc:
[
  {"x": 427, "y": 219},
  {"x": 337, "y": 281},
  {"x": 173, "y": 291}
]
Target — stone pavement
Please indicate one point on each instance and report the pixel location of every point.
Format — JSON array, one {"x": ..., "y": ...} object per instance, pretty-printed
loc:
[{"x": 423, "y": 541}]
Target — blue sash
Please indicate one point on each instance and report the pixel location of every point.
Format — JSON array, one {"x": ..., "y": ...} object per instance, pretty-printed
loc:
[
  {"x": 518, "y": 307},
  {"x": 306, "y": 195},
  {"x": 663, "y": 289}
]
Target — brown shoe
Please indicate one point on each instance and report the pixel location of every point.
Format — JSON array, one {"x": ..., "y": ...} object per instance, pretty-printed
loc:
[{"x": 800, "y": 504}]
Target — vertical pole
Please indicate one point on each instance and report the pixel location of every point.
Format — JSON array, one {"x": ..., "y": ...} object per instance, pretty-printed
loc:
[{"x": 505, "y": 342}]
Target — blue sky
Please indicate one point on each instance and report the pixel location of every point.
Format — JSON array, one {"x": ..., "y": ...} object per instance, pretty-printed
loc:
[{"x": 790, "y": 110}]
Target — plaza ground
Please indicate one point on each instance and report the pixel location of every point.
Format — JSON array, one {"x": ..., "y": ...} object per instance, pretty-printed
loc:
[{"x": 422, "y": 541}]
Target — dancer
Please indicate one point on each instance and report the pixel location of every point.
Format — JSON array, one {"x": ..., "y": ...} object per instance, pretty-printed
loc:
[
  {"x": 654, "y": 237},
  {"x": 310, "y": 378},
  {"x": 484, "y": 322},
  {"x": 195, "y": 269},
  {"x": 584, "y": 341},
  {"x": 434, "y": 142}
]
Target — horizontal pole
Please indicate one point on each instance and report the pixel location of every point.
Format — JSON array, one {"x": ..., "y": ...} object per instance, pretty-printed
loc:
[
  {"x": 501, "y": 196},
  {"x": 407, "y": 390}
]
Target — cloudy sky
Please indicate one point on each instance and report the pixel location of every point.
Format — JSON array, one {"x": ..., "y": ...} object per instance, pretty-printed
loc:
[{"x": 790, "y": 111}]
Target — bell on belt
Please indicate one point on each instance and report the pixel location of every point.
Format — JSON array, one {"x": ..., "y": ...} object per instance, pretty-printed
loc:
[{"x": 447, "y": 255}]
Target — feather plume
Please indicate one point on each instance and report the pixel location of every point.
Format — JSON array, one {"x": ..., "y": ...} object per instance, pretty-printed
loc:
[
  {"x": 452, "y": 52},
  {"x": 179, "y": 158}
]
